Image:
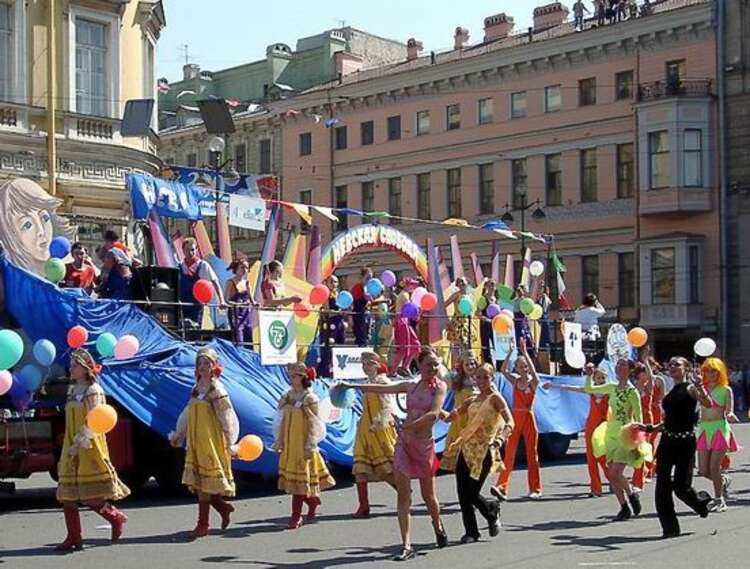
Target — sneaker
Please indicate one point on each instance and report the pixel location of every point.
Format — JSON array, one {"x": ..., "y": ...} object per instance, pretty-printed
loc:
[
  {"x": 719, "y": 505},
  {"x": 535, "y": 496},
  {"x": 726, "y": 482},
  {"x": 635, "y": 503},
  {"x": 497, "y": 493},
  {"x": 406, "y": 554}
]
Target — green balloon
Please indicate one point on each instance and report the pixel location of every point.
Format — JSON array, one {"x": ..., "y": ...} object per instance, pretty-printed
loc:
[
  {"x": 11, "y": 349},
  {"x": 54, "y": 269},
  {"x": 504, "y": 292},
  {"x": 527, "y": 306},
  {"x": 105, "y": 344},
  {"x": 482, "y": 303},
  {"x": 466, "y": 306}
]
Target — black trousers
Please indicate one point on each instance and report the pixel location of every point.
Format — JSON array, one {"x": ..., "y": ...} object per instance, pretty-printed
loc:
[
  {"x": 675, "y": 458},
  {"x": 469, "y": 496}
]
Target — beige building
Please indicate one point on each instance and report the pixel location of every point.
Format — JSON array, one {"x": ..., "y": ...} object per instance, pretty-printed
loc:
[{"x": 105, "y": 54}]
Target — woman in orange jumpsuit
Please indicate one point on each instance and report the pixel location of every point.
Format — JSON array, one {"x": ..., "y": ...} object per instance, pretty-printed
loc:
[
  {"x": 525, "y": 383},
  {"x": 598, "y": 407}
]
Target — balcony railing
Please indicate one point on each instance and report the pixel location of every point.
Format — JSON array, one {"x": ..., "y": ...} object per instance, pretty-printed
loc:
[
  {"x": 679, "y": 88},
  {"x": 8, "y": 117}
]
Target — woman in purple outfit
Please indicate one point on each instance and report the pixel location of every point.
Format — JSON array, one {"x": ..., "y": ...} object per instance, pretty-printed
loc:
[{"x": 415, "y": 447}]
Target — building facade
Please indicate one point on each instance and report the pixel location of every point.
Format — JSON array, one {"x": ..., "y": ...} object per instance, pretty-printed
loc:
[
  {"x": 105, "y": 56},
  {"x": 612, "y": 129},
  {"x": 736, "y": 90}
]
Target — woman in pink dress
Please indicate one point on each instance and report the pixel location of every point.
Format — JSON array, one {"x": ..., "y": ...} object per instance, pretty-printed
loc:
[
  {"x": 415, "y": 447},
  {"x": 405, "y": 339}
]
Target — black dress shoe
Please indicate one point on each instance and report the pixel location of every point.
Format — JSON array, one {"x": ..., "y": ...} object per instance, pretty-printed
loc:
[
  {"x": 469, "y": 539},
  {"x": 670, "y": 534},
  {"x": 635, "y": 503},
  {"x": 624, "y": 514},
  {"x": 704, "y": 499},
  {"x": 494, "y": 521}
]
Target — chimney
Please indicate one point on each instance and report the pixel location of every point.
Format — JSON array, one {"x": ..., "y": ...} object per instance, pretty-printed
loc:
[
  {"x": 460, "y": 38},
  {"x": 347, "y": 63},
  {"x": 498, "y": 26},
  {"x": 413, "y": 47},
  {"x": 190, "y": 71},
  {"x": 549, "y": 16}
]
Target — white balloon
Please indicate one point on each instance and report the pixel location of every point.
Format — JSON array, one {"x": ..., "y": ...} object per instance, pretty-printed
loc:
[
  {"x": 576, "y": 359},
  {"x": 536, "y": 268},
  {"x": 705, "y": 347}
]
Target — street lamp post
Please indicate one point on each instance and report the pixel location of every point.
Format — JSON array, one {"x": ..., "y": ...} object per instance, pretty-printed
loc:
[{"x": 538, "y": 214}]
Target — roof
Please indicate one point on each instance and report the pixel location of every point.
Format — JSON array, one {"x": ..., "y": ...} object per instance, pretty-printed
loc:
[{"x": 565, "y": 29}]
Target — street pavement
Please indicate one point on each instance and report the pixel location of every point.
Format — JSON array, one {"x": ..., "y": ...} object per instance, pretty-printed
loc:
[{"x": 566, "y": 529}]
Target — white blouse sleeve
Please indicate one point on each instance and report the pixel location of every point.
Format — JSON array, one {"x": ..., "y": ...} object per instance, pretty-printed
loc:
[
  {"x": 222, "y": 406},
  {"x": 317, "y": 429},
  {"x": 92, "y": 397}
]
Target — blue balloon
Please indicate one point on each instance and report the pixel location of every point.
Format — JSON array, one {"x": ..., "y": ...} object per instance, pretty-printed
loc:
[
  {"x": 344, "y": 299},
  {"x": 59, "y": 248},
  {"x": 19, "y": 395},
  {"x": 410, "y": 311},
  {"x": 44, "y": 353},
  {"x": 30, "y": 377},
  {"x": 374, "y": 287}
]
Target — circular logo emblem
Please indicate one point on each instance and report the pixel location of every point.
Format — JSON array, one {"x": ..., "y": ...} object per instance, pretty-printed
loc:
[{"x": 278, "y": 334}]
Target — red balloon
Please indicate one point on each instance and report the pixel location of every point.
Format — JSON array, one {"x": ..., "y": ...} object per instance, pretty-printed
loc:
[
  {"x": 203, "y": 291},
  {"x": 301, "y": 310},
  {"x": 77, "y": 337},
  {"x": 429, "y": 301},
  {"x": 319, "y": 294}
]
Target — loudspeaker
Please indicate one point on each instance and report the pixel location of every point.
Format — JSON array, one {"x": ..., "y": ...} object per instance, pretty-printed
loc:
[
  {"x": 216, "y": 116},
  {"x": 136, "y": 120},
  {"x": 158, "y": 284}
]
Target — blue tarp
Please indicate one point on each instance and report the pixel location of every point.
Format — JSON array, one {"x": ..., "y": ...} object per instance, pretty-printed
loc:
[{"x": 154, "y": 386}]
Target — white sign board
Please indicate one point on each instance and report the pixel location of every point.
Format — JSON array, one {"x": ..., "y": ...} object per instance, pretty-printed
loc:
[
  {"x": 505, "y": 347},
  {"x": 247, "y": 212},
  {"x": 347, "y": 363},
  {"x": 278, "y": 341},
  {"x": 574, "y": 355}
]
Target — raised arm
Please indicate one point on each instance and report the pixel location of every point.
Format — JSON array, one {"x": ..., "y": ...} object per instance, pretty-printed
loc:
[
  {"x": 564, "y": 387},
  {"x": 534, "y": 383},
  {"x": 504, "y": 369},
  {"x": 383, "y": 389},
  {"x": 457, "y": 411},
  {"x": 591, "y": 389}
]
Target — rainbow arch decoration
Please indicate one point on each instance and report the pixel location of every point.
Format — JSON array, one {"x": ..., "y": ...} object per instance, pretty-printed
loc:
[{"x": 366, "y": 236}]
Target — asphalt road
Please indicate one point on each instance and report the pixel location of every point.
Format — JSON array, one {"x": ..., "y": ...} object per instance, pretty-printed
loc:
[{"x": 564, "y": 530}]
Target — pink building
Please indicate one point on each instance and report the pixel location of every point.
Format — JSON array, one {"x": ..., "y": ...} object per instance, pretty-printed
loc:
[{"x": 613, "y": 130}]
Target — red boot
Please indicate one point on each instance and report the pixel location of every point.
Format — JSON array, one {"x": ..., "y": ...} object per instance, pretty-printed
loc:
[
  {"x": 296, "y": 520},
  {"x": 115, "y": 518},
  {"x": 201, "y": 528},
  {"x": 224, "y": 508},
  {"x": 73, "y": 524},
  {"x": 312, "y": 507},
  {"x": 364, "y": 501}
]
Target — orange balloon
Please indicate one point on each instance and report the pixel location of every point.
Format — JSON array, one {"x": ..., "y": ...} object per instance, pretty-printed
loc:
[
  {"x": 102, "y": 419},
  {"x": 502, "y": 323},
  {"x": 249, "y": 448},
  {"x": 637, "y": 337}
]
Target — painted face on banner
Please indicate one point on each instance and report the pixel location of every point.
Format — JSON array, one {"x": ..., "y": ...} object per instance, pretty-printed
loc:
[{"x": 35, "y": 232}]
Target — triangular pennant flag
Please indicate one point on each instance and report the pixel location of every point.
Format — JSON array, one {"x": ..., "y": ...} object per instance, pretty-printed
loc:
[
  {"x": 326, "y": 212},
  {"x": 349, "y": 211}
]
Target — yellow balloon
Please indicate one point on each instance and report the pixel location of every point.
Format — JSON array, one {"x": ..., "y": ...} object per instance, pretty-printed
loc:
[
  {"x": 249, "y": 448},
  {"x": 536, "y": 312},
  {"x": 102, "y": 419}
]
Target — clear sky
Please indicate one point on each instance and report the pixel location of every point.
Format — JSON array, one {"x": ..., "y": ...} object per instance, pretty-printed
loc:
[{"x": 223, "y": 33}]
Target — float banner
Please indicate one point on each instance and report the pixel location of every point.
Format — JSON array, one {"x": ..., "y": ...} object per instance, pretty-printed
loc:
[
  {"x": 347, "y": 363},
  {"x": 247, "y": 212},
  {"x": 167, "y": 198},
  {"x": 278, "y": 340}
]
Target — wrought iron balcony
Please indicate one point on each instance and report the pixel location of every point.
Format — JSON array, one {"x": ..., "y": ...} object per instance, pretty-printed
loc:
[{"x": 678, "y": 88}]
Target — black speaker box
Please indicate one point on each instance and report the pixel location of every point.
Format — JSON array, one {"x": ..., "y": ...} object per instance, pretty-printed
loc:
[{"x": 158, "y": 285}]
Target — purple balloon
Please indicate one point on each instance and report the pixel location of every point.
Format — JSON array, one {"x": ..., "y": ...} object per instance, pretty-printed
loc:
[
  {"x": 388, "y": 278},
  {"x": 410, "y": 310},
  {"x": 493, "y": 310}
]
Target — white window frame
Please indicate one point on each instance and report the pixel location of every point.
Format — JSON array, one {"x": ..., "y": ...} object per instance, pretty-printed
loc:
[
  {"x": 112, "y": 21},
  {"x": 150, "y": 91},
  {"x": 18, "y": 56}
]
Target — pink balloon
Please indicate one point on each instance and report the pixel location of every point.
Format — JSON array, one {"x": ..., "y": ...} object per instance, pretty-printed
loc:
[
  {"x": 6, "y": 382},
  {"x": 126, "y": 347},
  {"x": 508, "y": 312},
  {"x": 416, "y": 296}
]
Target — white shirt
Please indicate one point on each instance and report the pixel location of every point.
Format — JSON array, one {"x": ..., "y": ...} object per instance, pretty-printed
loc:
[{"x": 588, "y": 317}]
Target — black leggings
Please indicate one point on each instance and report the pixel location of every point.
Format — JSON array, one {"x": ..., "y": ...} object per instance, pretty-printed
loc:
[
  {"x": 678, "y": 454},
  {"x": 468, "y": 494}
]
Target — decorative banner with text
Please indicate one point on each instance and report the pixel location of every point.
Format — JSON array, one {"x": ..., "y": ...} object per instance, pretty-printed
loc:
[
  {"x": 247, "y": 212},
  {"x": 347, "y": 363},
  {"x": 278, "y": 341}
]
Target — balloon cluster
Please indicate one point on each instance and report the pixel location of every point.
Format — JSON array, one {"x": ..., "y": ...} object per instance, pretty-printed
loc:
[
  {"x": 54, "y": 268},
  {"x": 107, "y": 344},
  {"x": 22, "y": 385}
]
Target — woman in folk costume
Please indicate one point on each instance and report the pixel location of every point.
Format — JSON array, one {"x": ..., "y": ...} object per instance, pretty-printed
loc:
[
  {"x": 715, "y": 437},
  {"x": 86, "y": 474},
  {"x": 375, "y": 441},
  {"x": 302, "y": 471},
  {"x": 598, "y": 409},
  {"x": 462, "y": 384},
  {"x": 489, "y": 425},
  {"x": 525, "y": 383},
  {"x": 210, "y": 428},
  {"x": 614, "y": 439},
  {"x": 414, "y": 456}
]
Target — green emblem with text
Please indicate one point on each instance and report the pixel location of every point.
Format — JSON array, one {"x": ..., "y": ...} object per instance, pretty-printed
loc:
[{"x": 278, "y": 334}]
